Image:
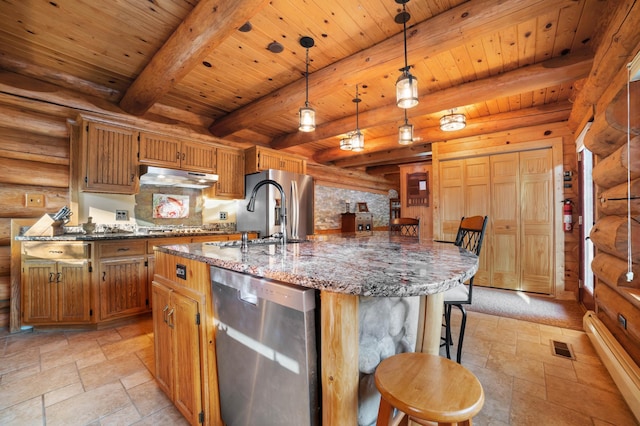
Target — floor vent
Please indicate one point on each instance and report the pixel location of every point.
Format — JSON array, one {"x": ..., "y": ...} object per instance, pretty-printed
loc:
[{"x": 562, "y": 349}]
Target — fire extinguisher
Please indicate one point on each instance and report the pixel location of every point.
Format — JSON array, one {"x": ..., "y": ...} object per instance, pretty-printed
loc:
[{"x": 567, "y": 215}]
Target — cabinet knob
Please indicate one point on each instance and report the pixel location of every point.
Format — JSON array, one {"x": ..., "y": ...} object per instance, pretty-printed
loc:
[
  {"x": 51, "y": 274},
  {"x": 59, "y": 277}
]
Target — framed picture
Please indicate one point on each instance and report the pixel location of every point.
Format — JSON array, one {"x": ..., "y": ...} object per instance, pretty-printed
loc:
[
  {"x": 362, "y": 208},
  {"x": 170, "y": 206},
  {"x": 418, "y": 189}
]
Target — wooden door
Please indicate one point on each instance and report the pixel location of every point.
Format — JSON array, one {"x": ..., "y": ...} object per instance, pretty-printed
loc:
[
  {"x": 74, "y": 291},
  {"x": 123, "y": 286},
  {"x": 477, "y": 202},
  {"x": 185, "y": 324},
  {"x": 39, "y": 292},
  {"x": 111, "y": 161},
  {"x": 451, "y": 197},
  {"x": 159, "y": 150},
  {"x": 505, "y": 214},
  {"x": 162, "y": 338},
  {"x": 536, "y": 227},
  {"x": 198, "y": 157}
]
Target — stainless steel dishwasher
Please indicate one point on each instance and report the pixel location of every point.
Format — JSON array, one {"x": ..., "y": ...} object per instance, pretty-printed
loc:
[{"x": 266, "y": 351}]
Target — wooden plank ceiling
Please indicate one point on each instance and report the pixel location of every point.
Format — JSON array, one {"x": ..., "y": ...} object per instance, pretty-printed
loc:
[{"x": 502, "y": 63}]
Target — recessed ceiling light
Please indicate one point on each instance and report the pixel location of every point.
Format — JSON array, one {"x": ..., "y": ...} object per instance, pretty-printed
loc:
[
  {"x": 246, "y": 27},
  {"x": 275, "y": 47}
]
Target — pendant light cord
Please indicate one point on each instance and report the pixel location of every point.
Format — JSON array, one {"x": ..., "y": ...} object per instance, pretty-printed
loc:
[
  {"x": 306, "y": 78},
  {"x": 629, "y": 251},
  {"x": 404, "y": 31}
]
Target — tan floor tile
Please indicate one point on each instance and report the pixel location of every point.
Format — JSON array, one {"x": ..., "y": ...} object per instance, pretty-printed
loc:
[
  {"x": 128, "y": 346},
  {"x": 70, "y": 353},
  {"x": 169, "y": 416},
  {"x": 89, "y": 406},
  {"x": 148, "y": 398},
  {"x": 110, "y": 371},
  {"x": 137, "y": 378},
  {"x": 527, "y": 410},
  {"x": 590, "y": 401},
  {"x": 21, "y": 374},
  {"x": 26, "y": 341},
  {"x": 137, "y": 328},
  {"x": 37, "y": 385},
  {"x": 595, "y": 375},
  {"x": 523, "y": 368},
  {"x": 497, "y": 390},
  {"x": 104, "y": 336},
  {"x": 541, "y": 352},
  {"x": 26, "y": 413},
  {"x": 19, "y": 360},
  {"x": 147, "y": 356},
  {"x": 93, "y": 359},
  {"x": 127, "y": 416},
  {"x": 61, "y": 394},
  {"x": 526, "y": 387},
  {"x": 565, "y": 372}
]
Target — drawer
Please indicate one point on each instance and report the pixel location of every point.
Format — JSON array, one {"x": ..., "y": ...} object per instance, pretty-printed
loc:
[
  {"x": 48, "y": 250},
  {"x": 122, "y": 248}
]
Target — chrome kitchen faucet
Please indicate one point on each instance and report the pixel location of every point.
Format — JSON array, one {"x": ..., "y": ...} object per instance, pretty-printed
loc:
[{"x": 283, "y": 209}]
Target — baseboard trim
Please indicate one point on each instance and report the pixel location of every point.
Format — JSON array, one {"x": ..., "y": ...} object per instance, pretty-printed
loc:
[{"x": 623, "y": 369}]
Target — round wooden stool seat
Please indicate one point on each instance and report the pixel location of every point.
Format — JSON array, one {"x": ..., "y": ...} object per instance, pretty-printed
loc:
[{"x": 427, "y": 387}]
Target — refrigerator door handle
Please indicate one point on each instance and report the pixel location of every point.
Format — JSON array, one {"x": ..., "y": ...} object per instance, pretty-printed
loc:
[{"x": 295, "y": 209}]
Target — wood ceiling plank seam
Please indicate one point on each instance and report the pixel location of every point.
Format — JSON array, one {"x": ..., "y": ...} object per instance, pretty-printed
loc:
[
  {"x": 515, "y": 102},
  {"x": 505, "y": 14},
  {"x": 553, "y": 93},
  {"x": 547, "y": 28},
  {"x": 539, "y": 96},
  {"x": 526, "y": 100}
]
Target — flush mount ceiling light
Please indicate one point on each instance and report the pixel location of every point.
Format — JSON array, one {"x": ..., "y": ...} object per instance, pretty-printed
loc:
[
  {"x": 407, "y": 84},
  {"x": 452, "y": 122},
  {"x": 307, "y": 114},
  {"x": 345, "y": 143},
  {"x": 405, "y": 132},
  {"x": 357, "y": 138}
]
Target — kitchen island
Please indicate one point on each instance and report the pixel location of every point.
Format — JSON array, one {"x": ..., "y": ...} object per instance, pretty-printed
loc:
[{"x": 342, "y": 269}]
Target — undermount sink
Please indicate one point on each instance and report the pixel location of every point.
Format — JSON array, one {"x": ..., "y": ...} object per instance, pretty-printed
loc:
[{"x": 255, "y": 242}]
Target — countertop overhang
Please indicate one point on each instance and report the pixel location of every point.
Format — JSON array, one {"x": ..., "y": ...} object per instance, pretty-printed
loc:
[
  {"x": 379, "y": 265},
  {"x": 100, "y": 236}
]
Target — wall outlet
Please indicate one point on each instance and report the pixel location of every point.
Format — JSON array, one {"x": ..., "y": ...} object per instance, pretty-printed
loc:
[
  {"x": 122, "y": 214},
  {"x": 622, "y": 321},
  {"x": 223, "y": 215},
  {"x": 34, "y": 200}
]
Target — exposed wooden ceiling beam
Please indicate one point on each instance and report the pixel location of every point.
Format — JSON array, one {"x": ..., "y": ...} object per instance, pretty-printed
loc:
[
  {"x": 553, "y": 72},
  {"x": 495, "y": 123},
  {"x": 469, "y": 21},
  {"x": 205, "y": 28}
]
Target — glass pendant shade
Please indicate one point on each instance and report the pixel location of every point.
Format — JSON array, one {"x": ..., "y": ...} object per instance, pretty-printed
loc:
[
  {"x": 307, "y": 119},
  {"x": 357, "y": 141},
  {"x": 345, "y": 143},
  {"x": 407, "y": 90},
  {"x": 405, "y": 134},
  {"x": 452, "y": 122}
]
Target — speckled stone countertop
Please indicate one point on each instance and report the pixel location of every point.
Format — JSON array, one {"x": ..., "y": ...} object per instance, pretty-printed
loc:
[
  {"x": 99, "y": 236},
  {"x": 377, "y": 265}
]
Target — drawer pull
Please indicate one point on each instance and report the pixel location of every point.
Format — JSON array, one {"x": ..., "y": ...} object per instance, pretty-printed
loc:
[
  {"x": 169, "y": 315},
  {"x": 164, "y": 313},
  {"x": 123, "y": 249},
  {"x": 58, "y": 277},
  {"x": 104, "y": 275},
  {"x": 56, "y": 251},
  {"x": 51, "y": 274}
]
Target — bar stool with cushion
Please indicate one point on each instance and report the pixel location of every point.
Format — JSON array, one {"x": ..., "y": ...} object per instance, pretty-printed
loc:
[
  {"x": 426, "y": 388},
  {"x": 470, "y": 235}
]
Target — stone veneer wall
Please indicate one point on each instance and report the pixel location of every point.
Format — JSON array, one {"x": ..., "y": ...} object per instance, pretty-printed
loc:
[{"x": 330, "y": 204}]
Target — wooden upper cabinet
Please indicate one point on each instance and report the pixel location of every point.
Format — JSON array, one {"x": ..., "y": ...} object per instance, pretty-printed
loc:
[
  {"x": 230, "y": 173},
  {"x": 167, "y": 151},
  {"x": 259, "y": 158},
  {"x": 109, "y": 159}
]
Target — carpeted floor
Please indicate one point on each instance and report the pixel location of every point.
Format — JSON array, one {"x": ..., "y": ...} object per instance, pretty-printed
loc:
[{"x": 528, "y": 307}]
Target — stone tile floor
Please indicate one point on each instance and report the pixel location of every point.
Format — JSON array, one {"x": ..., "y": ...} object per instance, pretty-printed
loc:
[{"x": 105, "y": 377}]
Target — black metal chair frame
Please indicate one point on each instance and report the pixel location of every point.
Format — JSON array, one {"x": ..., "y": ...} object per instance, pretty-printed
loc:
[{"x": 470, "y": 238}]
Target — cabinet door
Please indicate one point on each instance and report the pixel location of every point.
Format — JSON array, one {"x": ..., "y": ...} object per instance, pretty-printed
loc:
[
  {"x": 159, "y": 150},
  {"x": 230, "y": 167},
  {"x": 74, "y": 291},
  {"x": 123, "y": 287},
  {"x": 268, "y": 160},
  {"x": 198, "y": 157},
  {"x": 162, "y": 338},
  {"x": 185, "y": 323},
  {"x": 110, "y": 163},
  {"x": 39, "y": 292}
]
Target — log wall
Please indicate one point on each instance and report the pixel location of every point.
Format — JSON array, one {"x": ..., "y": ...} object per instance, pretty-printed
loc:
[{"x": 617, "y": 156}]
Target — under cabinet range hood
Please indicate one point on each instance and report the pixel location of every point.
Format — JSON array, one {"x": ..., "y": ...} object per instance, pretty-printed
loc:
[{"x": 161, "y": 176}]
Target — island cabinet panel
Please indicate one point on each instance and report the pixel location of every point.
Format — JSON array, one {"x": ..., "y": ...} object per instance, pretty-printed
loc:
[
  {"x": 193, "y": 345},
  {"x": 171, "y": 152},
  {"x": 109, "y": 159},
  {"x": 122, "y": 279},
  {"x": 55, "y": 291},
  {"x": 177, "y": 325}
]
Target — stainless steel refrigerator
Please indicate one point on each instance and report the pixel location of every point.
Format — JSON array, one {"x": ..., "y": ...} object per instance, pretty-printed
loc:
[{"x": 299, "y": 195}]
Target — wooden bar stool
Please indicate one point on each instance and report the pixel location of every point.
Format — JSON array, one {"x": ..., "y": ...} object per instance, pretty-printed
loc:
[{"x": 426, "y": 387}]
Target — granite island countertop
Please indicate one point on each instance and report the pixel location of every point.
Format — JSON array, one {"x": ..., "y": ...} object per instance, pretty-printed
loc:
[
  {"x": 102, "y": 236},
  {"x": 377, "y": 265}
]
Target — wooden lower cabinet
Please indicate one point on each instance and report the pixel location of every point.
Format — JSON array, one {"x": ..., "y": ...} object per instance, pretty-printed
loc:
[{"x": 177, "y": 336}]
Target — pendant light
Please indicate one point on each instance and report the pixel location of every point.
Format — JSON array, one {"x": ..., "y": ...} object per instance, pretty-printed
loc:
[
  {"x": 307, "y": 114},
  {"x": 405, "y": 132},
  {"x": 452, "y": 122},
  {"x": 345, "y": 143},
  {"x": 407, "y": 84},
  {"x": 357, "y": 138}
]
